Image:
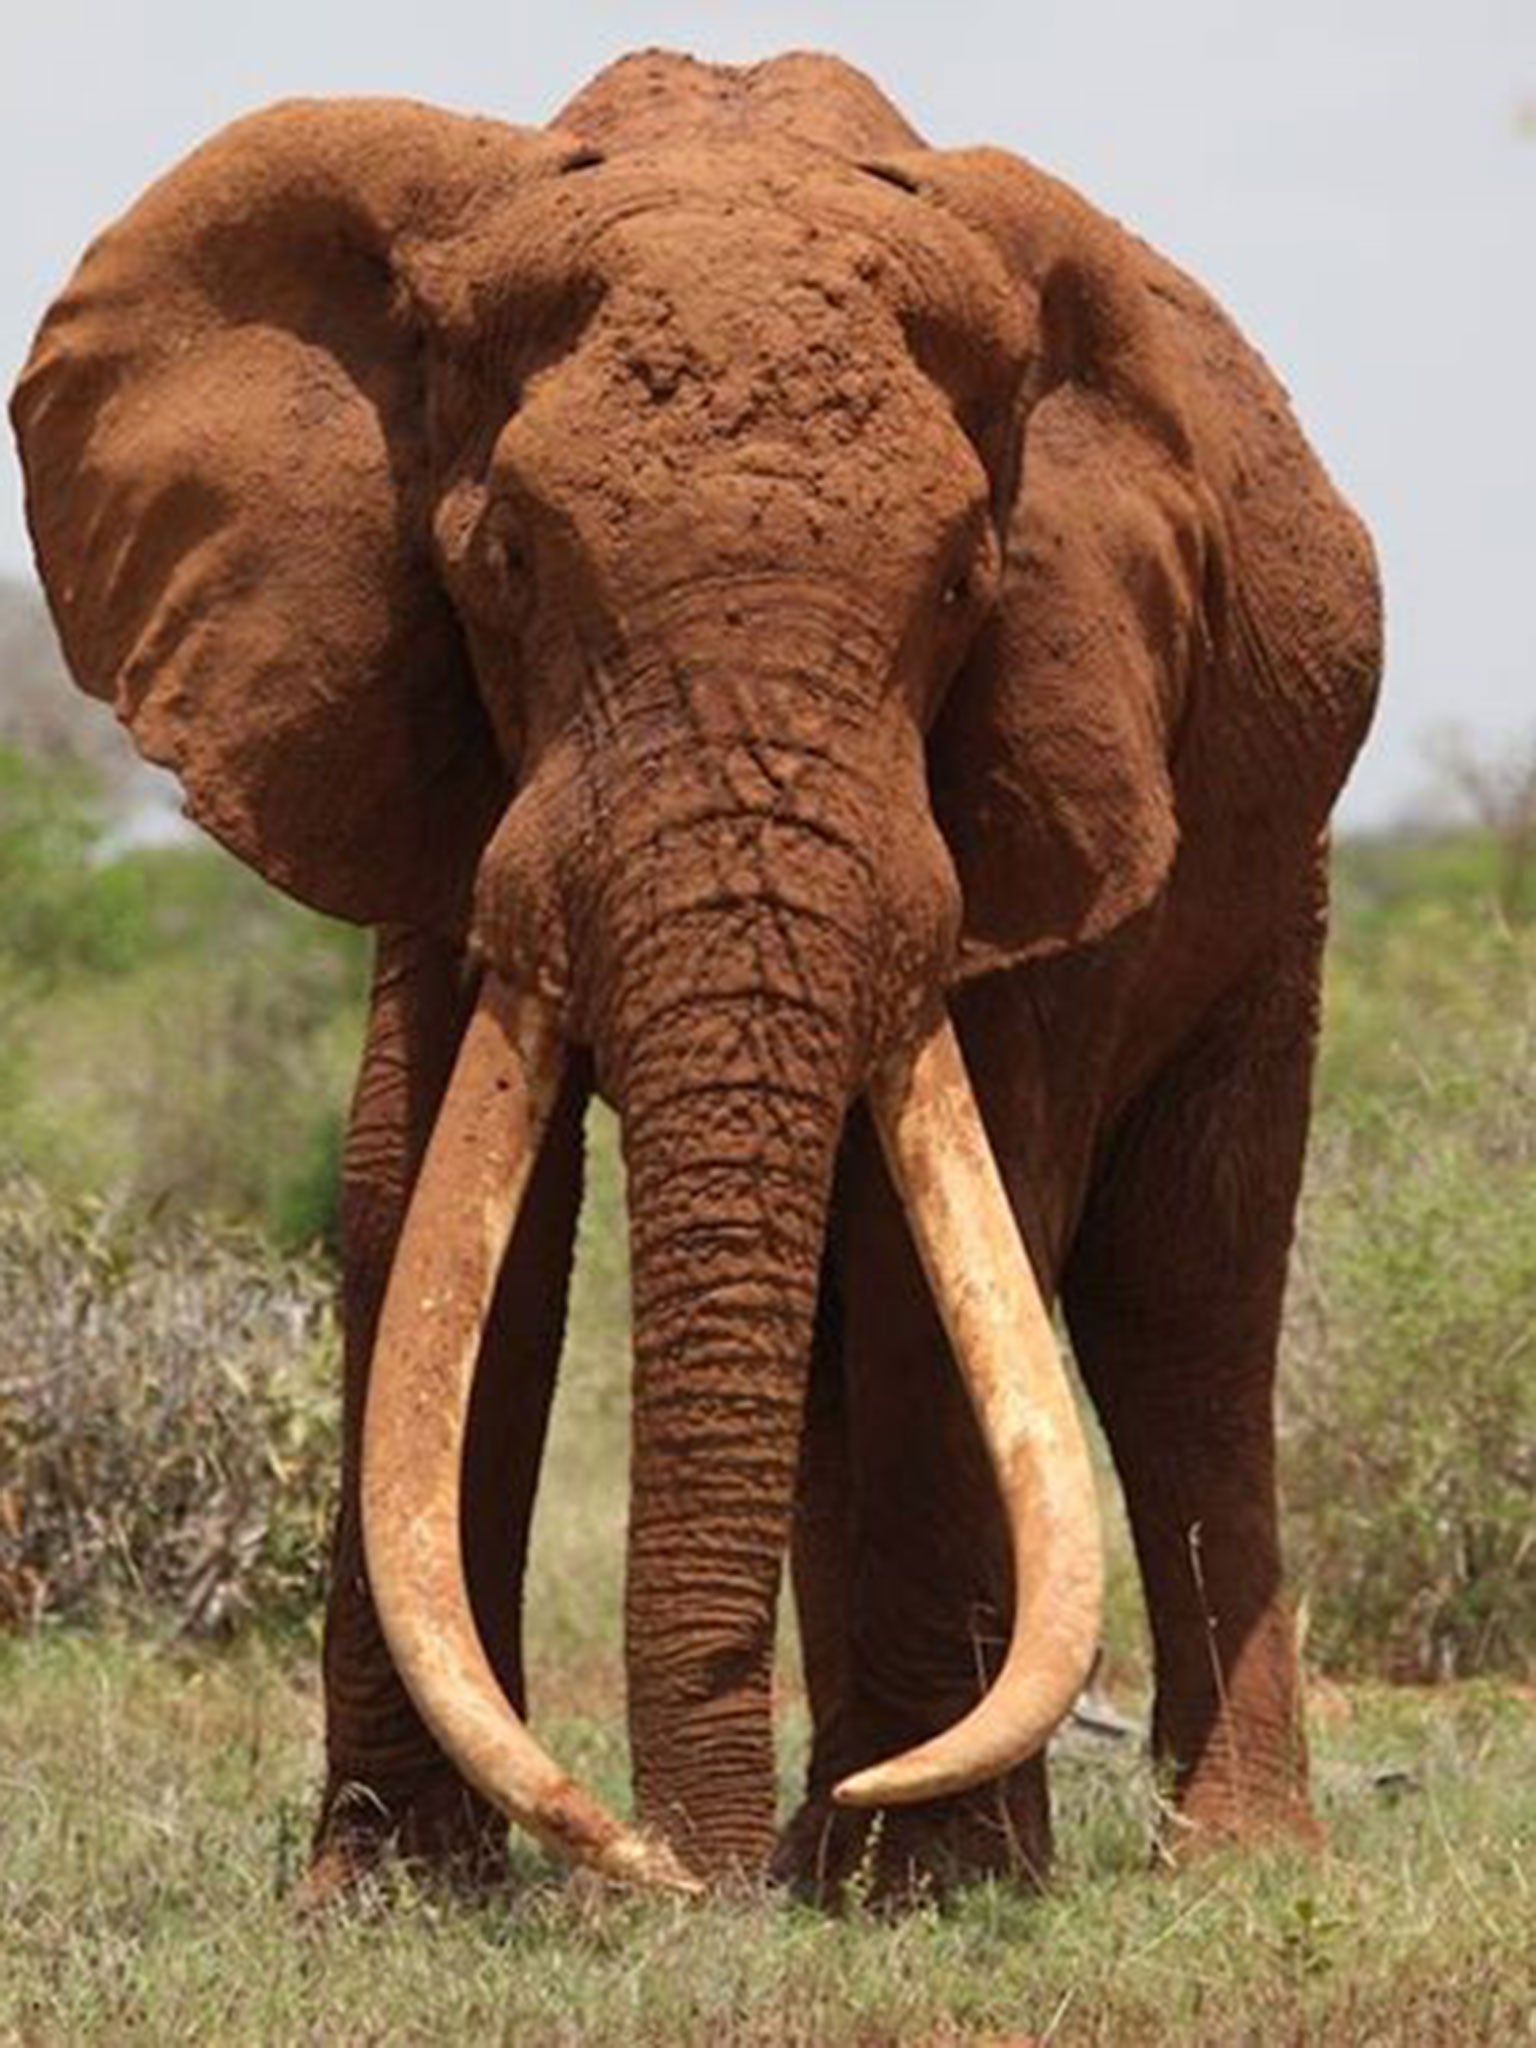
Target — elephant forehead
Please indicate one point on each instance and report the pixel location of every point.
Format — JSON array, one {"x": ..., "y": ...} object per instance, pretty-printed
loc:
[
  {"x": 744, "y": 344},
  {"x": 756, "y": 437},
  {"x": 738, "y": 230},
  {"x": 739, "y": 282},
  {"x": 741, "y": 340}
]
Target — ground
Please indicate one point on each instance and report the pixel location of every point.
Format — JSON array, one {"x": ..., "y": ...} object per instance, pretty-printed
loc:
[{"x": 155, "y": 1807}]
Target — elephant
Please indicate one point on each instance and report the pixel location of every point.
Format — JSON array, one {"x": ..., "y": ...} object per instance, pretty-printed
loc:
[{"x": 834, "y": 645}]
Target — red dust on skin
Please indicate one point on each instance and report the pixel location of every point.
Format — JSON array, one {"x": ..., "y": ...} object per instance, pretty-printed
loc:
[{"x": 757, "y": 579}]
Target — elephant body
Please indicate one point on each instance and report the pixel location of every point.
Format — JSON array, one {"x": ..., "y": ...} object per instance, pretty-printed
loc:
[{"x": 751, "y": 581}]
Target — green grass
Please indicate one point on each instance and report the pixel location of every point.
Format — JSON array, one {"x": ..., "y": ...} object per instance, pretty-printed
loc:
[
  {"x": 175, "y": 1049},
  {"x": 155, "y": 1810},
  {"x": 155, "y": 1801}
]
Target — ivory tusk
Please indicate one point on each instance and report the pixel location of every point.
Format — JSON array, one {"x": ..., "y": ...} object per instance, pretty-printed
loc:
[
  {"x": 991, "y": 1306},
  {"x": 457, "y": 1228}
]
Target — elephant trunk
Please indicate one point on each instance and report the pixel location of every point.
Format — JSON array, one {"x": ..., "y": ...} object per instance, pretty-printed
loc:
[{"x": 731, "y": 1119}]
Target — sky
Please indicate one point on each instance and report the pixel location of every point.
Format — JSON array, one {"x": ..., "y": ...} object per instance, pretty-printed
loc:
[{"x": 1355, "y": 179}]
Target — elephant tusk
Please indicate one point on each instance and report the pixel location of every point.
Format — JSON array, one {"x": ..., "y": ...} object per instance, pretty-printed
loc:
[
  {"x": 457, "y": 1228},
  {"x": 991, "y": 1306}
]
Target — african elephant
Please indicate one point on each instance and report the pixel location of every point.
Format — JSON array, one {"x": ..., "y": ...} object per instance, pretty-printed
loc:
[{"x": 742, "y": 601}]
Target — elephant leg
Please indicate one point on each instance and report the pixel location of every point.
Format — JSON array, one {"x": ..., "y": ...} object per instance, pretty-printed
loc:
[
  {"x": 387, "y": 1784},
  {"x": 1173, "y": 1294},
  {"x": 902, "y": 1574}
]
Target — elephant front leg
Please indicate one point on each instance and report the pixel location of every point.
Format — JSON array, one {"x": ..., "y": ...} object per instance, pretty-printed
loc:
[
  {"x": 387, "y": 1783},
  {"x": 901, "y": 1573},
  {"x": 1173, "y": 1294}
]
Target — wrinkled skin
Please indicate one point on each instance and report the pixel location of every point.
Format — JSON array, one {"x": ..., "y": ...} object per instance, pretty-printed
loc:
[{"x": 754, "y": 580}]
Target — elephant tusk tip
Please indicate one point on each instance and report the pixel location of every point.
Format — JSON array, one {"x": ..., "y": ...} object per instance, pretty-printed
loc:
[
  {"x": 864, "y": 1788},
  {"x": 652, "y": 1866}
]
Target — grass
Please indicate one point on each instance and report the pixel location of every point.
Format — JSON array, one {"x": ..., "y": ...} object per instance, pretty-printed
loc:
[
  {"x": 175, "y": 1039},
  {"x": 155, "y": 1809},
  {"x": 155, "y": 1800}
]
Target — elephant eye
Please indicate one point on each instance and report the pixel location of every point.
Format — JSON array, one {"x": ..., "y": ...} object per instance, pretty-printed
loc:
[
  {"x": 956, "y": 591},
  {"x": 511, "y": 559},
  {"x": 892, "y": 174}
]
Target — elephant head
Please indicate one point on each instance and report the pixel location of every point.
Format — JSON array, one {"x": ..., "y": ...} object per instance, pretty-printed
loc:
[{"x": 603, "y": 544}]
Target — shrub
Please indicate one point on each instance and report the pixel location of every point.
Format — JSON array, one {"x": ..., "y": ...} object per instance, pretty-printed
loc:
[
  {"x": 1411, "y": 1390},
  {"x": 174, "y": 1036},
  {"x": 167, "y": 1422},
  {"x": 235, "y": 1110},
  {"x": 60, "y": 913}
]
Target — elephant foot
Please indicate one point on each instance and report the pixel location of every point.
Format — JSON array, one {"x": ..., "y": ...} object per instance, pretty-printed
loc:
[
  {"x": 902, "y": 1857},
  {"x": 1246, "y": 1787},
  {"x": 1203, "y": 1822},
  {"x": 437, "y": 1829}
]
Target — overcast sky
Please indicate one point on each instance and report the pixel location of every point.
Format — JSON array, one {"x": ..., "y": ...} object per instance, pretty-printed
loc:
[{"x": 1356, "y": 179}]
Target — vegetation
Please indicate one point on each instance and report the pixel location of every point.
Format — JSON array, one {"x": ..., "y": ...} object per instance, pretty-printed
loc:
[
  {"x": 167, "y": 1423},
  {"x": 175, "y": 1049},
  {"x": 174, "y": 1037},
  {"x": 1411, "y": 1374},
  {"x": 157, "y": 1809},
  {"x": 178, "y": 1041}
]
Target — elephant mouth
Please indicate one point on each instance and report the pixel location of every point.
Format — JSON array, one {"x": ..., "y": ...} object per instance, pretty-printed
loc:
[{"x": 459, "y": 1224}]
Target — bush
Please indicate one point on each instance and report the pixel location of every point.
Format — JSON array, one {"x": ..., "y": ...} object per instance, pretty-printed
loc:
[
  {"x": 60, "y": 913},
  {"x": 1410, "y": 1420},
  {"x": 174, "y": 1036},
  {"x": 167, "y": 1422},
  {"x": 225, "y": 1096}
]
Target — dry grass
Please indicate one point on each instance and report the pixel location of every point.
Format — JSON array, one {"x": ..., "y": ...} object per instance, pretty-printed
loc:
[
  {"x": 155, "y": 1802},
  {"x": 166, "y": 1466},
  {"x": 155, "y": 1807}
]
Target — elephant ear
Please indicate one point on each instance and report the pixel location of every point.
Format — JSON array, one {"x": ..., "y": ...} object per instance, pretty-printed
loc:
[
  {"x": 1049, "y": 764},
  {"x": 222, "y": 429}
]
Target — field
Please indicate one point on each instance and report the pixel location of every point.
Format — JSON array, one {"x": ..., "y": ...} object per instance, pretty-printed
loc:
[
  {"x": 157, "y": 1803},
  {"x": 174, "y": 1050}
]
